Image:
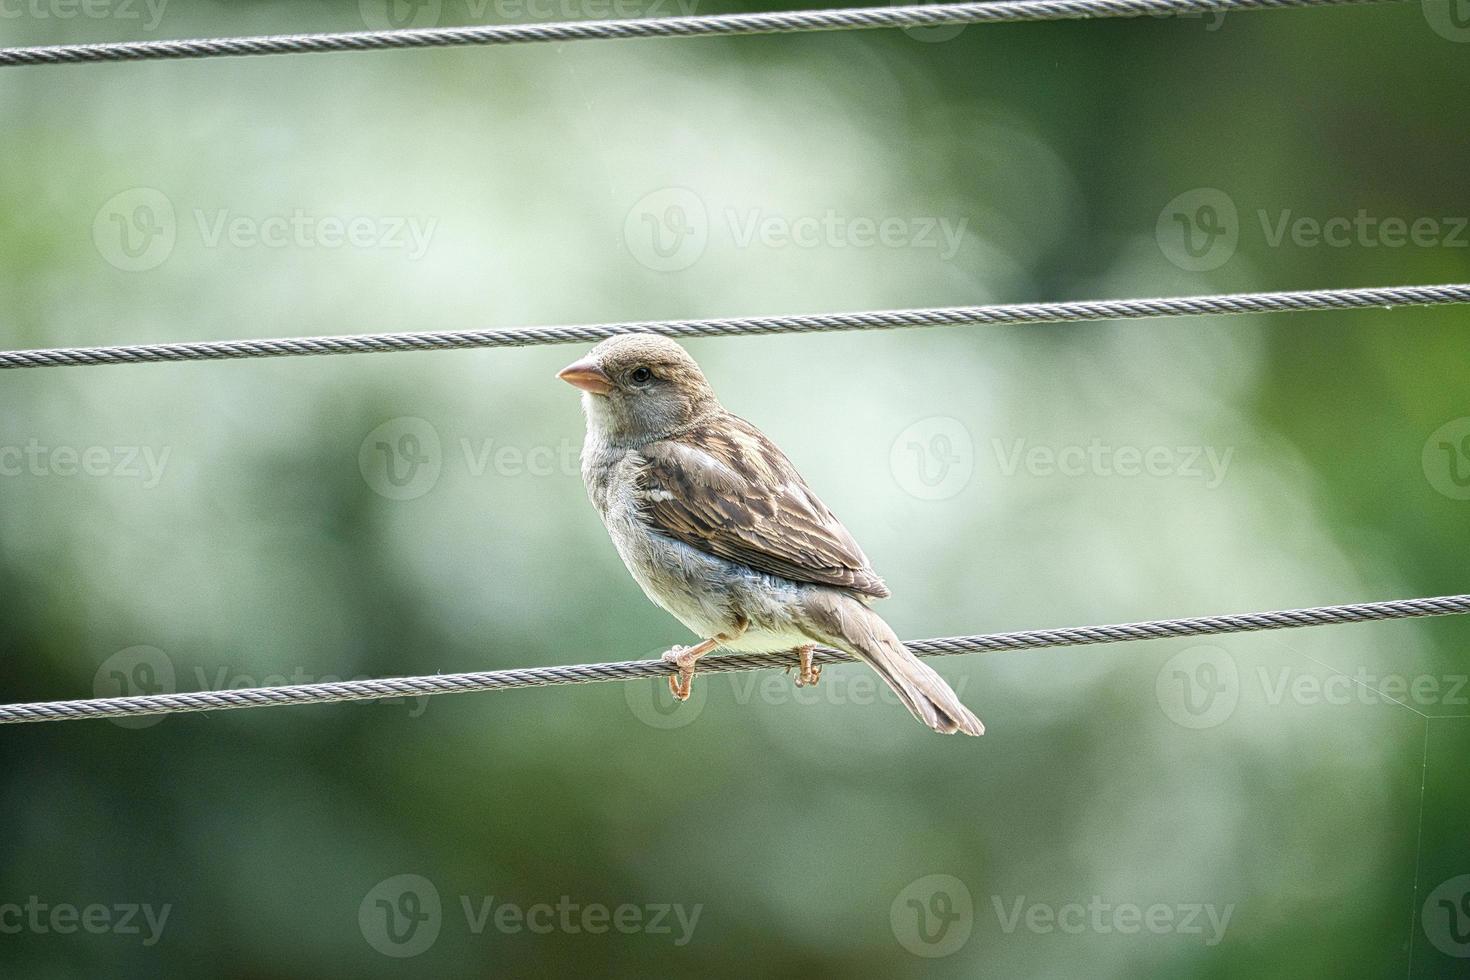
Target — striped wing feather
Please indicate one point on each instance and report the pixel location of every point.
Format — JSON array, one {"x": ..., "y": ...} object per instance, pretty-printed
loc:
[{"x": 725, "y": 489}]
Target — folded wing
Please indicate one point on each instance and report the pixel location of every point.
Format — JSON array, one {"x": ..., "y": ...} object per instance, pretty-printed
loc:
[{"x": 725, "y": 489}]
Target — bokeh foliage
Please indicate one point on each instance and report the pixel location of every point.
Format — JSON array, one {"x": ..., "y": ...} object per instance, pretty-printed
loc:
[{"x": 263, "y": 550}]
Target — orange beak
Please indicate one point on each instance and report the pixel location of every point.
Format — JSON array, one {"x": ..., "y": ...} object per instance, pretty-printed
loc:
[{"x": 585, "y": 374}]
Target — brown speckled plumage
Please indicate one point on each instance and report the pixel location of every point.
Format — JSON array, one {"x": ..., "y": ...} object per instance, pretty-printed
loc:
[
  {"x": 717, "y": 527},
  {"x": 724, "y": 488}
]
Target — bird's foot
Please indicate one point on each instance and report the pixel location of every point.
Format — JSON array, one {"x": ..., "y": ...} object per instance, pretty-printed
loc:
[
  {"x": 680, "y": 683},
  {"x": 808, "y": 675},
  {"x": 683, "y": 658}
]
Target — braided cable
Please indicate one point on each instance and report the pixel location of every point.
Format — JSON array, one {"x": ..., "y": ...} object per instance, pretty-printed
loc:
[
  {"x": 499, "y": 680},
  {"x": 1009, "y": 313},
  {"x": 781, "y": 22}
]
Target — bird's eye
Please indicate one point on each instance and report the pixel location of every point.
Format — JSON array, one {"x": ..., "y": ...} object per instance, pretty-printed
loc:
[{"x": 641, "y": 376}]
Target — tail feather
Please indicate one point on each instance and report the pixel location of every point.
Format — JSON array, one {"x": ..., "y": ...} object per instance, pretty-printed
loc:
[{"x": 848, "y": 624}]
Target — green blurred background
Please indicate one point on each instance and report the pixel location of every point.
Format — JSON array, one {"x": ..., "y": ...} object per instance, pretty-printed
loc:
[{"x": 1247, "y": 806}]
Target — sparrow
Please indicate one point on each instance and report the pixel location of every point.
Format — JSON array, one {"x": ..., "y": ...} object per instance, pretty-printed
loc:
[{"x": 719, "y": 529}]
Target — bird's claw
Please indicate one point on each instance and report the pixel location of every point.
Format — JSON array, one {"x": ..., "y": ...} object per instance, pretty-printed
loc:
[
  {"x": 807, "y": 675},
  {"x": 682, "y": 682}
]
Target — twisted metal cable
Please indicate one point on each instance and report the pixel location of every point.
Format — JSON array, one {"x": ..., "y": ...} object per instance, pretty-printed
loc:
[
  {"x": 856, "y": 18},
  {"x": 1009, "y": 313},
  {"x": 497, "y": 680}
]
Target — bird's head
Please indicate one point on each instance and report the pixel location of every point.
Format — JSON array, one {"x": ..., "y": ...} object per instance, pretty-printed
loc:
[{"x": 639, "y": 387}]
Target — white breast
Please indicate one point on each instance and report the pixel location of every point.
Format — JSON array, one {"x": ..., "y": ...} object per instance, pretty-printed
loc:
[{"x": 709, "y": 595}]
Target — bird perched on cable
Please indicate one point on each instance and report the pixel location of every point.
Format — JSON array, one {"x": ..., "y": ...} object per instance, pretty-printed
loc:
[{"x": 721, "y": 531}]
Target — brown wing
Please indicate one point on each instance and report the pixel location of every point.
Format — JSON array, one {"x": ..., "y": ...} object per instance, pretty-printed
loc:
[{"x": 726, "y": 489}]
